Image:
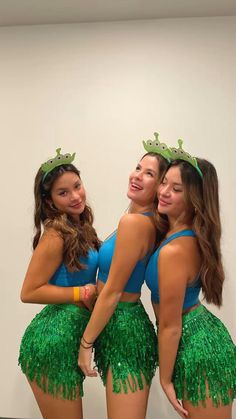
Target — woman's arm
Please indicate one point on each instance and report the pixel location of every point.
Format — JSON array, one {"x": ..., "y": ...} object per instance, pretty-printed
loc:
[
  {"x": 131, "y": 246},
  {"x": 173, "y": 277},
  {"x": 46, "y": 259},
  {"x": 129, "y": 249}
]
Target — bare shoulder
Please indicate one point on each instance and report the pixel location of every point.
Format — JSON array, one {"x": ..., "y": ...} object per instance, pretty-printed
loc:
[
  {"x": 51, "y": 240},
  {"x": 185, "y": 246},
  {"x": 175, "y": 250},
  {"x": 135, "y": 221},
  {"x": 51, "y": 234},
  {"x": 179, "y": 257}
]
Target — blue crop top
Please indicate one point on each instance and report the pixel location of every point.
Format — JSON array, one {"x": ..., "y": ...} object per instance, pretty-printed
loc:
[
  {"x": 63, "y": 278},
  {"x": 151, "y": 276},
  {"x": 105, "y": 254}
]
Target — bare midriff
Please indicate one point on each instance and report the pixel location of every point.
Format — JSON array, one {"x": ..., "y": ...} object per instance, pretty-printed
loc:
[
  {"x": 156, "y": 309},
  {"x": 127, "y": 297}
]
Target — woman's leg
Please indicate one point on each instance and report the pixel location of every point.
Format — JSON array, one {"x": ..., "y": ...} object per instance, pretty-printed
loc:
[
  {"x": 130, "y": 405},
  {"x": 208, "y": 412},
  {"x": 201, "y": 340},
  {"x": 56, "y": 407}
]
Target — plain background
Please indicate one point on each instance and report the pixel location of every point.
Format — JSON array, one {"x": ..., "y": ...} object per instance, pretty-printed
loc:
[{"x": 100, "y": 89}]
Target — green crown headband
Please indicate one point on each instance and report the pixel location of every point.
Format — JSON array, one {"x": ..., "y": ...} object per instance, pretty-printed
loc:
[
  {"x": 171, "y": 153},
  {"x": 56, "y": 161},
  {"x": 158, "y": 148},
  {"x": 180, "y": 154}
]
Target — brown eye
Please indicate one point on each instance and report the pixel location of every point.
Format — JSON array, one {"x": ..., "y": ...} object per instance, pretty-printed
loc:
[{"x": 177, "y": 190}]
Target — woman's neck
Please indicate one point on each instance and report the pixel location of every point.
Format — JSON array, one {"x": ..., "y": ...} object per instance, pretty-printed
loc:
[
  {"x": 75, "y": 220},
  {"x": 137, "y": 209},
  {"x": 175, "y": 228}
]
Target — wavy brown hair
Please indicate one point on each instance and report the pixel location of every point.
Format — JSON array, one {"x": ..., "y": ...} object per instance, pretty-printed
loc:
[
  {"x": 163, "y": 166},
  {"x": 78, "y": 238},
  {"x": 203, "y": 212}
]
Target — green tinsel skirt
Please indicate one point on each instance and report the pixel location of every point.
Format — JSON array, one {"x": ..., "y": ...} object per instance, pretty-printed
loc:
[
  {"x": 49, "y": 350},
  {"x": 206, "y": 360},
  {"x": 128, "y": 347}
]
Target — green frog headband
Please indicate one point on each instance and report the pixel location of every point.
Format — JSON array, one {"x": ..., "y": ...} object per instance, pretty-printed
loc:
[
  {"x": 56, "y": 161},
  {"x": 158, "y": 148},
  {"x": 171, "y": 153},
  {"x": 180, "y": 154}
]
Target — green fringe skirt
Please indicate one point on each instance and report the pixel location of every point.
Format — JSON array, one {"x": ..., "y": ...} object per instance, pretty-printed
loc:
[
  {"x": 206, "y": 360},
  {"x": 49, "y": 350},
  {"x": 128, "y": 347}
]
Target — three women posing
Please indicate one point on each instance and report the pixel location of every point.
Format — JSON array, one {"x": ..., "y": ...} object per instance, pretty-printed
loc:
[{"x": 195, "y": 366}]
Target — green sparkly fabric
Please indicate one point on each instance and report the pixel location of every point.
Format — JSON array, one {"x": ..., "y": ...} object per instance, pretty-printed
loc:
[
  {"x": 49, "y": 350},
  {"x": 206, "y": 358},
  {"x": 127, "y": 346}
]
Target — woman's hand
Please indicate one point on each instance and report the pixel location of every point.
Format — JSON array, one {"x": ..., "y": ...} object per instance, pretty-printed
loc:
[
  {"x": 89, "y": 295},
  {"x": 85, "y": 359},
  {"x": 177, "y": 405}
]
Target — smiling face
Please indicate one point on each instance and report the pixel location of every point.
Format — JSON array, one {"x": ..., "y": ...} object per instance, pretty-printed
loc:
[
  {"x": 143, "y": 181},
  {"x": 171, "y": 195},
  {"x": 68, "y": 194}
]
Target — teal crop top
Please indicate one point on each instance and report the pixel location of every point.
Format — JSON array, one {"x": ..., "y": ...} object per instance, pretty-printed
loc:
[
  {"x": 192, "y": 292},
  {"x": 105, "y": 254},
  {"x": 63, "y": 278}
]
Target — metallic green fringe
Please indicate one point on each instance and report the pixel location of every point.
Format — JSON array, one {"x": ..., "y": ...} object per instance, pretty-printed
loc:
[
  {"x": 127, "y": 346},
  {"x": 49, "y": 350},
  {"x": 206, "y": 360}
]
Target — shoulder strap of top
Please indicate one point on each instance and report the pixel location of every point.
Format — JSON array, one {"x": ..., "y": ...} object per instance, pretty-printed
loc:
[
  {"x": 148, "y": 214},
  {"x": 186, "y": 233}
]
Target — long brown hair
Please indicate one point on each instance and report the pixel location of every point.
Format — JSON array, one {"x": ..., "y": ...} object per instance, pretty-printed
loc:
[
  {"x": 202, "y": 199},
  {"x": 78, "y": 238},
  {"x": 162, "y": 165}
]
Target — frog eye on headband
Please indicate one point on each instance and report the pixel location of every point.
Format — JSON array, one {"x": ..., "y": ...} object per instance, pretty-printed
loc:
[
  {"x": 58, "y": 160},
  {"x": 156, "y": 147},
  {"x": 180, "y": 154}
]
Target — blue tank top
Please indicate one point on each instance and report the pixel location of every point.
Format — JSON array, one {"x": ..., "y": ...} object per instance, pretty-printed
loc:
[
  {"x": 105, "y": 255},
  {"x": 151, "y": 276},
  {"x": 63, "y": 278}
]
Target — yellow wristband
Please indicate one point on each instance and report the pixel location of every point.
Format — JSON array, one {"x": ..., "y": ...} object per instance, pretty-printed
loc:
[{"x": 76, "y": 292}]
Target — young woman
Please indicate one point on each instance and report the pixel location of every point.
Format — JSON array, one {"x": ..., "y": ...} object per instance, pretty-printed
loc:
[
  {"x": 126, "y": 347},
  {"x": 64, "y": 262},
  {"x": 197, "y": 357}
]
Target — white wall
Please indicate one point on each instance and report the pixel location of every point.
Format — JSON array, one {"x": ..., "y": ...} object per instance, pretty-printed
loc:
[{"x": 99, "y": 89}]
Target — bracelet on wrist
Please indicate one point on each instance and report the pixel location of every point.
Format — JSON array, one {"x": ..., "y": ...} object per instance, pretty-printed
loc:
[
  {"x": 86, "y": 293},
  {"x": 87, "y": 343},
  {"x": 76, "y": 294},
  {"x": 86, "y": 347}
]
